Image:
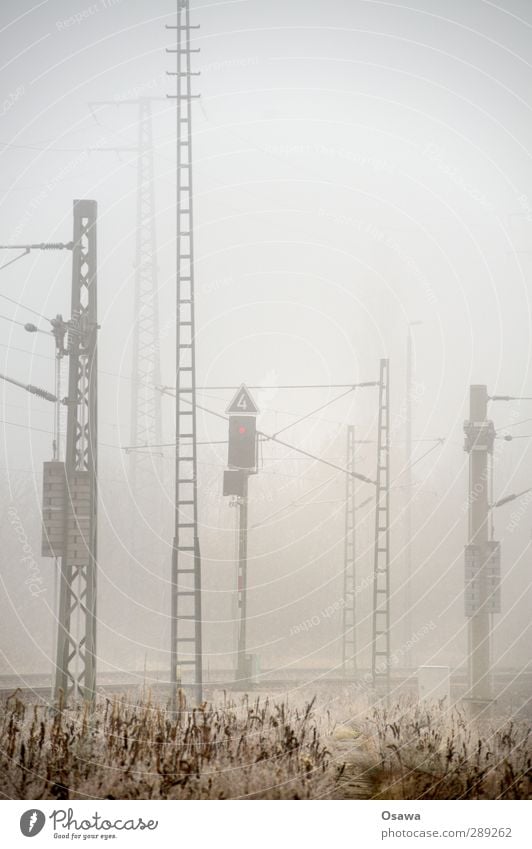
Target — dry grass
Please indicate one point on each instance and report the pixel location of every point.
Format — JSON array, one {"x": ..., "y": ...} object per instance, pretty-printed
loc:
[
  {"x": 259, "y": 749},
  {"x": 141, "y": 751},
  {"x": 436, "y": 754}
]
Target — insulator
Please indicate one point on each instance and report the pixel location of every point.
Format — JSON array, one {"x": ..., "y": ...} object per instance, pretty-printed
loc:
[
  {"x": 54, "y": 246},
  {"x": 42, "y": 393},
  {"x": 31, "y": 328}
]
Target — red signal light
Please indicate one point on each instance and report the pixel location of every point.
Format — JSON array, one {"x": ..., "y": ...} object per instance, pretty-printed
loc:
[{"x": 242, "y": 450}]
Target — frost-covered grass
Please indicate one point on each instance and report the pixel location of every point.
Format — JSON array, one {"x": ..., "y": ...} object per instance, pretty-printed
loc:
[
  {"x": 260, "y": 747},
  {"x": 433, "y": 752},
  {"x": 253, "y": 748}
]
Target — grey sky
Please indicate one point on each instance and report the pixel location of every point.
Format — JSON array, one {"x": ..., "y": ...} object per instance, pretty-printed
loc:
[{"x": 358, "y": 165}]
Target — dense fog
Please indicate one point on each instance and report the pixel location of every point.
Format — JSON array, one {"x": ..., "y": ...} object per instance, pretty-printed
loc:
[{"x": 361, "y": 172}]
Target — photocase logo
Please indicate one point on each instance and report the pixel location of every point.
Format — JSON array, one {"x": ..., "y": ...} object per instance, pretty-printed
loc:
[{"x": 32, "y": 822}]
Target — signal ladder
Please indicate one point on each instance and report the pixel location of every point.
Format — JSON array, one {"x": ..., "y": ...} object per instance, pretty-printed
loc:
[
  {"x": 349, "y": 644},
  {"x": 186, "y": 637},
  {"x": 380, "y": 665}
]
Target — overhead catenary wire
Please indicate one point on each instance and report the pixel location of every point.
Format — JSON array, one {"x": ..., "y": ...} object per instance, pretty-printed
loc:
[
  {"x": 23, "y": 306},
  {"x": 270, "y": 438},
  {"x": 29, "y": 387},
  {"x": 437, "y": 444},
  {"x": 141, "y": 447},
  {"x": 31, "y": 328},
  {"x": 284, "y": 386},
  {"x": 273, "y": 438},
  {"x": 510, "y": 398},
  {"x": 357, "y": 475},
  {"x": 317, "y": 410},
  {"x": 508, "y": 498},
  {"x": 15, "y": 259},
  {"x": 515, "y": 424},
  {"x": 26, "y": 427},
  {"x": 291, "y": 503}
]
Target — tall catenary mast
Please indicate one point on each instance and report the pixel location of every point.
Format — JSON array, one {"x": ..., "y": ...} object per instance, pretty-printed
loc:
[
  {"x": 146, "y": 412},
  {"x": 349, "y": 643},
  {"x": 146, "y": 369},
  {"x": 186, "y": 637},
  {"x": 380, "y": 665},
  {"x": 76, "y": 487}
]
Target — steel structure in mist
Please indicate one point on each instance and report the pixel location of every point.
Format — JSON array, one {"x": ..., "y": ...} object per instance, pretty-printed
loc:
[
  {"x": 380, "y": 659},
  {"x": 76, "y": 635},
  {"x": 146, "y": 414},
  {"x": 146, "y": 403},
  {"x": 185, "y": 636},
  {"x": 408, "y": 490},
  {"x": 482, "y": 555},
  {"x": 349, "y": 642},
  {"x": 242, "y": 461}
]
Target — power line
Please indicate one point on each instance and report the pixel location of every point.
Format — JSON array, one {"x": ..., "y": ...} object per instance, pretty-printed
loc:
[
  {"x": 23, "y": 306},
  {"x": 26, "y": 427},
  {"x": 291, "y": 503},
  {"x": 128, "y": 448},
  {"x": 29, "y": 387},
  {"x": 508, "y": 498},
  {"x": 15, "y": 259},
  {"x": 515, "y": 424},
  {"x": 25, "y": 351},
  {"x": 287, "y": 386},
  {"x": 31, "y": 328},
  {"x": 269, "y": 438},
  {"x": 510, "y": 398},
  {"x": 85, "y": 149},
  {"x": 317, "y": 410},
  {"x": 429, "y": 451}
]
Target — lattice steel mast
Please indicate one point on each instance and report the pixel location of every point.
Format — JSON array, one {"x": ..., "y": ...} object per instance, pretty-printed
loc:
[
  {"x": 349, "y": 643},
  {"x": 380, "y": 661},
  {"x": 186, "y": 637},
  {"x": 146, "y": 412},
  {"x": 146, "y": 365},
  {"x": 76, "y": 639}
]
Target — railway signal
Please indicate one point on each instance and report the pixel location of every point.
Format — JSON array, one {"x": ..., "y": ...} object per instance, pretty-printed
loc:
[
  {"x": 242, "y": 454},
  {"x": 242, "y": 462}
]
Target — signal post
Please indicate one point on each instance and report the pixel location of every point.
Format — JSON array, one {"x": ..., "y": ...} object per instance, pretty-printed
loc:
[
  {"x": 482, "y": 555},
  {"x": 242, "y": 462}
]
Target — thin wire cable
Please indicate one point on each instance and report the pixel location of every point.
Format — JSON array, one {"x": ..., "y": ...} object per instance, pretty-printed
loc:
[
  {"x": 515, "y": 424},
  {"x": 26, "y": 427},
  {"x": 432, "y": 448},
  {"x": 268, "y": 438},
  {"x": 510, "y": 398},
  {"x": 25, "y": 351},
  {"x": 128, "y": 448},
  {"x": 20, "y": 323},
  {"x": 317, "y": 410},
  {"x": 290, "y": 386},
  {"x": 291, "y": 503},
  {"x": 15, "y": 259},
  {"x": 23, "y": 306}
]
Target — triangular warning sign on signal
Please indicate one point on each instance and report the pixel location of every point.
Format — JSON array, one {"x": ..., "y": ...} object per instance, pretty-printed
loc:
[{"x": 242, "y": 403}]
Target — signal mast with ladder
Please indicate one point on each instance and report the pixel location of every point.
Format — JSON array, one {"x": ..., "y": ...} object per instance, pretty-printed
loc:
[{"x": 242, "y": 462}]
